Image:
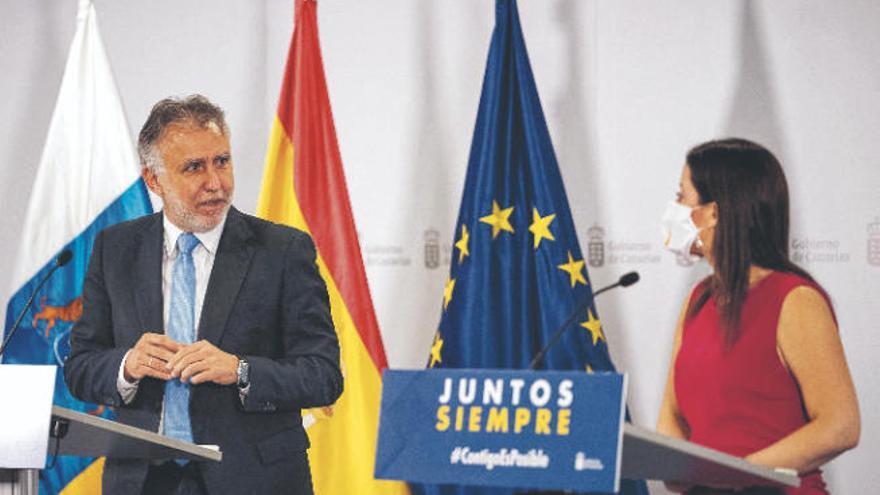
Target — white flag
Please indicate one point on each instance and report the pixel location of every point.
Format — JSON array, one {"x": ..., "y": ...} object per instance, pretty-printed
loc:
[{"x": 88, "y": 179}]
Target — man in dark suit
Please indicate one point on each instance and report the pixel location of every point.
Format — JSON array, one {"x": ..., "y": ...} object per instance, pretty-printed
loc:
[{"x": 204, "y": 323}]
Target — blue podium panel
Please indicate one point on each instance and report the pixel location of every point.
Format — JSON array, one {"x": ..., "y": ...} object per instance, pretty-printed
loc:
[{"x": 549, "y": 429}]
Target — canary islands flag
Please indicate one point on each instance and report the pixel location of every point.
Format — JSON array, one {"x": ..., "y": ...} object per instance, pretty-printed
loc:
[
  {"x": 304, "y": 187},
  {"x": 517, "y": 270},
  {"x": 87, "y": 179}
]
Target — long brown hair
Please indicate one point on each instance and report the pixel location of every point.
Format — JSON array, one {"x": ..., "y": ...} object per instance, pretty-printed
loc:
[{"x": 748, "y": 185}]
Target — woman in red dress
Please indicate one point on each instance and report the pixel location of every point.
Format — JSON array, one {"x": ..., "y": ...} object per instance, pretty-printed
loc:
[{"x": 758, "y": 369}]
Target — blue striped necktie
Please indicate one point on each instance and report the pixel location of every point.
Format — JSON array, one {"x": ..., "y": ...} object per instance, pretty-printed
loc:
[{"x": 181, "y": 328}]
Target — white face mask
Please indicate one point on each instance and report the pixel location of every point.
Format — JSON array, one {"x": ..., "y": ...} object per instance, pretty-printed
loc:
[{"x": 679, "y": 230}]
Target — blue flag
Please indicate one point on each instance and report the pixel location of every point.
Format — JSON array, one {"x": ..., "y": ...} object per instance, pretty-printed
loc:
[
  {"x": 517, "y": 270},
  {"x": 87, "y": 180}
]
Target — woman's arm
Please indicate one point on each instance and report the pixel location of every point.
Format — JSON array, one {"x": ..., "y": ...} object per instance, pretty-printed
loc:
[
  {"x": 670, "y": 421},
  {"x": 810, "y": 346}
]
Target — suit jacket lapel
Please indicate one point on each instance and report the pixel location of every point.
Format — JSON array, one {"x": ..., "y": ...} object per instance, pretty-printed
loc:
[
  {"x": 230, "y": 268},
  {"x": 148, "y": 277}
]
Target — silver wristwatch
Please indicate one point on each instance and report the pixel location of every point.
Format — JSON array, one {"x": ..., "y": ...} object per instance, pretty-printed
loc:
[{"x": 243, "y": 373}]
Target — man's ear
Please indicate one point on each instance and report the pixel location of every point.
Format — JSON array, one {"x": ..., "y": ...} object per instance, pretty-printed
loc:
[{"x": 151, "y": 179}]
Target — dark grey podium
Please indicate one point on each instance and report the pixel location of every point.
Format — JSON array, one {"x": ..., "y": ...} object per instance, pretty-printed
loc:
[
  {"x": 79, "y": 434},
  {"x": 652, "y": 456}
]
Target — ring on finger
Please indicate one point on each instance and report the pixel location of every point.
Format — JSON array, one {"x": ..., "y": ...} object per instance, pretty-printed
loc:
[{"x": 150, "y": 362}]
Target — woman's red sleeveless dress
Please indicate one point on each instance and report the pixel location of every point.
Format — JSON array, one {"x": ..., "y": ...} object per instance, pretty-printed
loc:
[{"x": 742, "y": 399}]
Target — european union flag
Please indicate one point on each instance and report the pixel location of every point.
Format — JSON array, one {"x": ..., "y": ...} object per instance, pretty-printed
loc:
[{"x": 517, "y": 269}]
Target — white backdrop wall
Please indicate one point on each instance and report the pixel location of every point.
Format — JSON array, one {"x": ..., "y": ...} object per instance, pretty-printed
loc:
[{"x": 627, "y": 88}]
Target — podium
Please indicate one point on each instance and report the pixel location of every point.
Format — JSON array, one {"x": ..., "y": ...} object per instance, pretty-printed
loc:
[
  {"x": 92, "y": 436},
  {"x": 76, "y": 434},
  {"x": 553, "y": 430},
  {"x": 651, "y": 456},
  {"x": 83, "y": 435}
]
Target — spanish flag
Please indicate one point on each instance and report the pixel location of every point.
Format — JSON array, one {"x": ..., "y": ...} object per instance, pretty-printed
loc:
[{"x": 304, "y": 187}]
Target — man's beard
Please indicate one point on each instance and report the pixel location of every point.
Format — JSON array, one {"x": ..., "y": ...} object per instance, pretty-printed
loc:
[{"x": 190, "y": 220}]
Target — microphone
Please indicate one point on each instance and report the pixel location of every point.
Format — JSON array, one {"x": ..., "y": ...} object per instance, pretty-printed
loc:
[
  {"x": 60, "y": 261},
  {"x": 624, "y": 281},
  {"x": 65, "y": 257}
]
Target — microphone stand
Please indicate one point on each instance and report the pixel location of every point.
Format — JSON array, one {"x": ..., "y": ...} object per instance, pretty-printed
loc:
[
  {"x": 60, "y": 261},
  {"x": 625, "y": 280}
]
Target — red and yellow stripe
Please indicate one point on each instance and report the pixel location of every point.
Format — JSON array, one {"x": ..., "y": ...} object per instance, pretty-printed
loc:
[{"x": 304, "y": 187}]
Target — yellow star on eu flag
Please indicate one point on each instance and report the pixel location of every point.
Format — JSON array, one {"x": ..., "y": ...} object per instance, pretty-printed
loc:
[
  {"x": 447, "y": 292},
  {"x": 499, "y": 219},
  {"x": 462, "y": 244},
  {"x": 540, "y": 227},
  {"x": 436, "y": 347},
  {"x": 574, "y": 270},
  {"x": 594, "y": 326}
]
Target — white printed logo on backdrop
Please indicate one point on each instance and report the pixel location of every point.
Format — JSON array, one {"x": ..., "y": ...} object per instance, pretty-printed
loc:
[
  {"x": 386, "y": 255},
  {"x": 432, "y": 248},
  {"x": 811, "y": 250},
  {"x": 596, "y": 246},
  {"x": 625, "y": 251},
  {"x": 435, "y": 252}
]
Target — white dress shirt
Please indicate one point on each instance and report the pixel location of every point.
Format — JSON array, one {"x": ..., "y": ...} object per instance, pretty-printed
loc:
[{"x": 203, "y": 259}]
